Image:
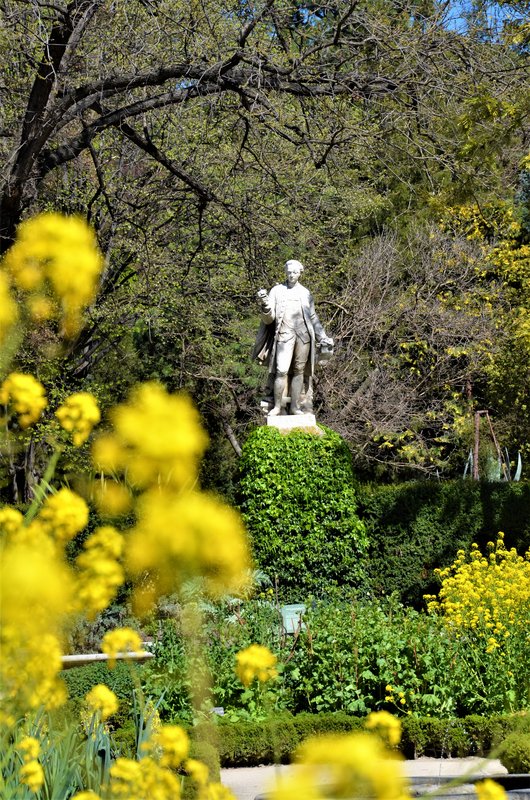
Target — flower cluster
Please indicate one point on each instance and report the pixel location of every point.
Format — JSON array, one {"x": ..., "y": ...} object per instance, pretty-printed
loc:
[
  {"x": 487, "y": 594},
  {"x": 78, "y": 415},
  {"x": 58, "y": 256},
  {"x": 36, "y": 588},
  {"x": 100, "y": 571},
  {"x": 179, "y": 536},
  {"x": 351, "y": 765},
  {"x": 63, "y": 515},
  {"x": 157, "y": 439},
  {"x": 121, "y": 640},
  {"x": 102, "y": 701},
  {"x": 255, "y": 662},
  {"x": 31, "y": 773},
  {"x": 25, "y": 396},
  {"x": 174, "y": 744},
  {"x": 386, "y": 725}
]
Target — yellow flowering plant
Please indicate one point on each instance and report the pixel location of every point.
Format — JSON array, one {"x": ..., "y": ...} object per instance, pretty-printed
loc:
[
  {"x": 151, "y": 457},
  {"x": 484, "y": 601},
  {"x": 153, "y": 452}
]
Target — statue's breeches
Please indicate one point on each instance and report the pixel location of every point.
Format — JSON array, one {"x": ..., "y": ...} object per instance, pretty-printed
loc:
[{"x": 293, "y": 352}]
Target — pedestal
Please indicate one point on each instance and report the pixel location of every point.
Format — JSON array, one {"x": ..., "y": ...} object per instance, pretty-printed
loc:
[{"x": 286, "y": 423}]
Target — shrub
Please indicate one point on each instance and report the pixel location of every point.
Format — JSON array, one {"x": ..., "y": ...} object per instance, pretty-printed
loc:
[
  {"x": 414, "y": 527},
  {"x": 122, "y": 679},
  {"x": 251, "y": 743},
  {"x": 515, "y": 753},
  {"x": 296, "y": 493}
]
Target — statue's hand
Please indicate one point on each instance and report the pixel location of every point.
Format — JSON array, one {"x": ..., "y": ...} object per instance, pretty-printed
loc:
[
  {"x": 327, "y": 340},
  {"x": 262, "y": 296}
]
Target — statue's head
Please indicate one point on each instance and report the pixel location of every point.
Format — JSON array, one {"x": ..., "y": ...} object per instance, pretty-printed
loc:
[
  {"x": 292, "y": 264},
  {"x": 293, "y": 270}
]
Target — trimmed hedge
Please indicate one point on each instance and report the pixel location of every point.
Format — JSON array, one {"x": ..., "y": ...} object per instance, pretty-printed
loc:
[
  {"x": 296, "y": 493},
  {"x": 417, "y": 526},
  {"x": 121, "y": 679},
  {"x": 248, "y": 744}
]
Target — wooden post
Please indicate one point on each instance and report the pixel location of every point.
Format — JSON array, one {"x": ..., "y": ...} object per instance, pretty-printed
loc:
[{"x": 476, "y": 448}]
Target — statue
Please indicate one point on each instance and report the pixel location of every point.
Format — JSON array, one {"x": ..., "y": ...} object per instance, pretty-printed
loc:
[{"x": 290, "y": 341}]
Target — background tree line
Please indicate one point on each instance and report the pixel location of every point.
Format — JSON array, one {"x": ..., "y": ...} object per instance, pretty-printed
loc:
[{"x": 385, "y": 144}]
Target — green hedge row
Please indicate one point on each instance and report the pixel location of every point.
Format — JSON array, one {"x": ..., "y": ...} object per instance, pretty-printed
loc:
[
  {"x": 313, "y": 527},
  {"x": 416, "y": 526},
  {"x": 246, "y": 744}
]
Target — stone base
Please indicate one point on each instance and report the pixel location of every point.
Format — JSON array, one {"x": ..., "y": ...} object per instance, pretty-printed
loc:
[{"x": 286, "y": 423}]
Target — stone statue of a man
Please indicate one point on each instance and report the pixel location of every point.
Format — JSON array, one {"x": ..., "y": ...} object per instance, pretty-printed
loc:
[{"x": 288, "y": 338}]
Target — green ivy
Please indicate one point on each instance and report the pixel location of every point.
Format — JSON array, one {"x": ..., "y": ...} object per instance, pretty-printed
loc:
[{"x": 296, "y": 493}]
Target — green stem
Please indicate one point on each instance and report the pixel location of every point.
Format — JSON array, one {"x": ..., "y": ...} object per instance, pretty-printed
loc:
[{"x": 44, "y": 484}]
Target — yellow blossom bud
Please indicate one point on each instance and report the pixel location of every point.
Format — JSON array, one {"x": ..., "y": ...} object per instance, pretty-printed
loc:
[
  {"x": 78, "y": 415},
  {"x": 32, "y": 775},
  {"x": 25, "y": 395},
  {"x": 121, "y": 640},
  {"x": 174, "y": 743},
  {"x": 102, "y": 701},
  {"x": 254, "y": 662},
  {"x": 63, "y": 515}
]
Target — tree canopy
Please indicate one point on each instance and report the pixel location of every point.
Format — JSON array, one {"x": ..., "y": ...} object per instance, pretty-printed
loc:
[{"x": 382, "y": 143}]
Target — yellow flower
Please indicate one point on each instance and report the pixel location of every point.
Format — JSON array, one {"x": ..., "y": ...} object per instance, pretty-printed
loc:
[
  {"x": 488, "y": 596},
  {"x": 8, "y": 309},
  {"x": 197, "y": 770},
  {"x": 351, "y": 765},
  {"x": 60, "y": 253},
  {"x": 112, "y": 499},
  {"x": 174, "y": 743},
  {"x": 32, "y": 775},
  {"x": 158, "y": 438},
  {"x": 32, "y": 613},
  {"x": 86, "y": 796},
  {"x": 63, "y": 515},
  {"x": 121, "y": 640},
  {"x": 100, "y": 574},
  {"x": 215, "y": 791},
  {"x": 180, "y": 536},
  {"x": 489, "y": 790},
  {"x": 78, "y": 415},
  {"x": 25, "y": 395},
  {"x": 29, "y": 747},
  {"x": 102, "y": 700},
  {"x": 385, "y": 723},
  {"x": 255, "y": 661},
  {"x": 11, "y": 520},
  {"x": 40, "y": 308},
  {"x": 126, "y": 770},
  {"x": 139, "y": 780}
]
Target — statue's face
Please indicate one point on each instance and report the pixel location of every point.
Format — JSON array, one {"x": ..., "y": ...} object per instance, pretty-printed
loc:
[{"x": 292, "y": 272}]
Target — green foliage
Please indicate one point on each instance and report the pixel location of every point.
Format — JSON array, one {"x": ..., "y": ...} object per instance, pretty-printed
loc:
[
  {"x": 296, "y": 493},
  {"x": 515, "y": 753},
  {"x": 359, "y": 657},
  {"x": 417, "y": 526},
  {"x": 166, "y": 678},
  {"x": 123, "y": 680},
  {"x": 73, "y": 756},
  {"x": 243, "y": 744}
]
